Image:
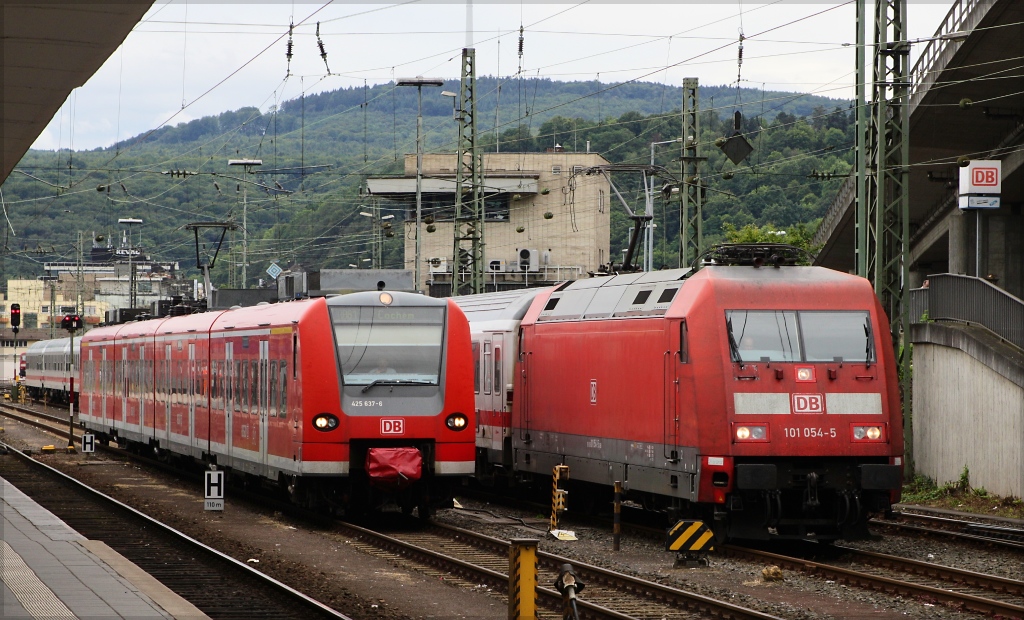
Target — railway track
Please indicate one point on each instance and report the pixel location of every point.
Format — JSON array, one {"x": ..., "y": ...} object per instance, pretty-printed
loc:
[
  {"x": 1002, "y": 532},
  {"x": 479, "y": 559},
  {"x": 217, "y": 584},
  {"x": 976, "y": 592},
  {"x": 482, "y": 559}
]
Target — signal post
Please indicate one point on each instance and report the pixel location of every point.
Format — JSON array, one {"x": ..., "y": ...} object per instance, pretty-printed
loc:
[
  {"x": 15, "y": 326},
  {"x": 72, "y": 323}
]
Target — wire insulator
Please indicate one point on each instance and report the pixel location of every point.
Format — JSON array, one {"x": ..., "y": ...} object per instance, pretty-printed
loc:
[
  {"x": 288, "y": 53},
  {"x": 520, "y": 41},
  {"x": 323, "y": 52}
]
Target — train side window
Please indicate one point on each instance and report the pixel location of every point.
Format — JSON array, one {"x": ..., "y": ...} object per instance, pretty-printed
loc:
[
  {"x": 237, "y": 391},
  {"x": 476, "y": 367},
  {"x": 295, "y": 355},
  {"x": 245, "y": 386},
  {"x": 684, "y": 355},
  {"x": 272, "y": 388},
  {"x": 254, "y": 384},
  {"x": 487, "y": 367},
  {"x": 497, "y": 370},
  {"x": 182, "y": 383},
  {"x": 284, "y": 389},
  {"x": 214, "y": 384}
]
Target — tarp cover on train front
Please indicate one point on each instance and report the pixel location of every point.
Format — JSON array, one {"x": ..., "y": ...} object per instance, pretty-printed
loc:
[{"x": 394, "y": 468}]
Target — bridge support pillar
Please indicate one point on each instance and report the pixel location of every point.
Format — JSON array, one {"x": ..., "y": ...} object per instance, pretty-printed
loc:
[{"x": 958, "y": 245}]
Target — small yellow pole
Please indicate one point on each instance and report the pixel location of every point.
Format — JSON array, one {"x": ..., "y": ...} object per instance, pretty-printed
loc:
[
  {"x": 522, "y": 579},
  {"x": 558, "y": 494}
]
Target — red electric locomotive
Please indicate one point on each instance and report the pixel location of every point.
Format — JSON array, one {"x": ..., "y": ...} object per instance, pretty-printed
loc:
[
  {"x": 761, "y": 400},
  {"x": 345, "y": 402}
]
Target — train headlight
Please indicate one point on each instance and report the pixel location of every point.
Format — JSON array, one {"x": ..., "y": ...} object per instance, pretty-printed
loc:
[
  {"x": 750, "y": 432},
  {"x": 868, "y": 433},
  {"x": 456, "y": 421},
  {"x": 805, "y": 374},
  {"x": 325, "y": 422}
]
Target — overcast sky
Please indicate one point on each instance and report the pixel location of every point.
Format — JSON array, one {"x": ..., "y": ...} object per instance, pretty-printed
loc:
[{"x": 191, "y": 59}]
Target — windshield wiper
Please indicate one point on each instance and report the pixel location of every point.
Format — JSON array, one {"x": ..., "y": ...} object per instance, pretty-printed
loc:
[
  {"x": 734, "y": 348},
  {"x": 869, "y": 352},
  {"x": 394, "y": 382}
]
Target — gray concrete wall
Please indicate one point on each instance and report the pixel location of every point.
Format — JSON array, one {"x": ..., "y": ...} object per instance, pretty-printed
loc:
[{"x": 968, "y": 407}]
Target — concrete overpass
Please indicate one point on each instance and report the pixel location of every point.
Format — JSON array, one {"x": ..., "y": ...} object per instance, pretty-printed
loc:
[
  {"x": 49, "y": 49},
  {"x": 988, "y": 69}
]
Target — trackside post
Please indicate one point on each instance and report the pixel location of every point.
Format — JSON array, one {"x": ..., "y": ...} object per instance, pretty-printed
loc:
[
  {"x": 522, "y": 579},
  {"x": 617, "y": 519},
  {"x": 558, "y": 494}
]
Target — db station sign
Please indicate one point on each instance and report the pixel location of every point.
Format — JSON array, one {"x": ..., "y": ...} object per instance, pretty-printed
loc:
[{"x": 981, "y": 184}]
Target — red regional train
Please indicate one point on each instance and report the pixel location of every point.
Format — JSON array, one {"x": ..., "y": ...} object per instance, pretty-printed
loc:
[
  {"x": 762, "y": 400},
  {"x": 345, "y": 402}
]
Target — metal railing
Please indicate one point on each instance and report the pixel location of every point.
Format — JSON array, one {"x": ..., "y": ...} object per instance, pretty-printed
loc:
[
  {"x": 950, "y": 297},
  {"x": 962, "y": 16}
]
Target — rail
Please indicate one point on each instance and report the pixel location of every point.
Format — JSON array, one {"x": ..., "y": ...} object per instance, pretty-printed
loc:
[{"x": 951, "y": 297}]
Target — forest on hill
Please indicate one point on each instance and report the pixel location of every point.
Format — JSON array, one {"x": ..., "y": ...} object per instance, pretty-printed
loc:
[{"x": 302, "y": 205}]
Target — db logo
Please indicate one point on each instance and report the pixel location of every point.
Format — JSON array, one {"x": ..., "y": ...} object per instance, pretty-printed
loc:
[
  {"x": 808, "y": 403},
  {"x": 392, "y": 427},
  {"x": 986, "y": 177}
]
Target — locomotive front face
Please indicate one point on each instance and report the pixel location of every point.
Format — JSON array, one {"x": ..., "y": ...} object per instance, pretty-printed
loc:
[
  {"x": 813, "y": 430},
  {"x": 394, "y": 354},
  {"x": 806, "y": 380}
]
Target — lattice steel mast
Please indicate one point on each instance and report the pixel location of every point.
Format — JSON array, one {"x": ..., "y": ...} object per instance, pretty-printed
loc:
[
  {"x": 468, "y": 254},
  {"x": 691, "y": 229}
]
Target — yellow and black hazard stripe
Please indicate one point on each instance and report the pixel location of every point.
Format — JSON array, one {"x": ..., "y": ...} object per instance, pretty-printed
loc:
[{"x": 690, "y": 536}]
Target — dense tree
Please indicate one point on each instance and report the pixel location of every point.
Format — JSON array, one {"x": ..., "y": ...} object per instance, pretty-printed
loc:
[{"x": 301, "y": 206}]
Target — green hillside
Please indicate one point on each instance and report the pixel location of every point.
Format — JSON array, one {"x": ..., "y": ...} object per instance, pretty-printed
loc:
[{"x": 302, "y": 207}]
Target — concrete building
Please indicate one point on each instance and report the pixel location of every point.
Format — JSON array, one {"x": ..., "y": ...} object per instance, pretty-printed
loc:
[
  {"x": 541, "y": 212},
  {"x": 45, "y": 302}
]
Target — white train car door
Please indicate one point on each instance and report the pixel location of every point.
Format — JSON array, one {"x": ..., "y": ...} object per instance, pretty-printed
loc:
[{"x": 498, "y": 396}]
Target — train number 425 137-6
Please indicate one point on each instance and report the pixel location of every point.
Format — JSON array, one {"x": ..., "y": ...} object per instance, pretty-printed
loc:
[{"x": 808, "y": 431}]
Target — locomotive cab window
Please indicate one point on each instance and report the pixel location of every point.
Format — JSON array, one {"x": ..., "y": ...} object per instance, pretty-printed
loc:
[
  {"x": 400, "y": 344},
  {"x": 804, "y": 336}
]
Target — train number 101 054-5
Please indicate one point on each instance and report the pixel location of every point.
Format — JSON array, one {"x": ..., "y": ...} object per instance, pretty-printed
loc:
[{"x": 808, "y": 431}]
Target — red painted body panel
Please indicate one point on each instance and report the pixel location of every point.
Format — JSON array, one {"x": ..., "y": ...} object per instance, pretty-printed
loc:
[{"x": 168, "y": 382}]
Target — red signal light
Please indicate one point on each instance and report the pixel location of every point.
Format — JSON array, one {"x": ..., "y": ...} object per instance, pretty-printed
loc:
[{"x": 15, "y": 315}]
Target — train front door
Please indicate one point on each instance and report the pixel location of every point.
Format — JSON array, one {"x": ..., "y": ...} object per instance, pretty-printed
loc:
[
  {"x": 263, "y": 401},
  {"x": 671, "y": 398}
]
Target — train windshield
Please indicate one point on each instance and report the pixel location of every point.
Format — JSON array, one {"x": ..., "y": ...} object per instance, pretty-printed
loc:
[
  {"x": 399, "y": 345},
  {"x": 804, "y": 336}
]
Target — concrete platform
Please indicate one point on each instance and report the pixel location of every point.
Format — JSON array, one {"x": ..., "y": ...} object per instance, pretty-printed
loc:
[{"x": 50, "y": 571}]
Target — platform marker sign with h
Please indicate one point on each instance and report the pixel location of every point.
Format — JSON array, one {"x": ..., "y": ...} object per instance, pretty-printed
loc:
[
  {"x": 214, "y": 491},
  {"x": 88, "y": 443}
]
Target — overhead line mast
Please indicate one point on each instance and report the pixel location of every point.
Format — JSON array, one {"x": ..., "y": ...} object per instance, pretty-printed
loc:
[{"x": 468, "y": 254}]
